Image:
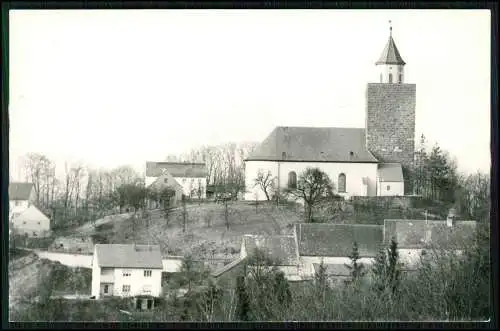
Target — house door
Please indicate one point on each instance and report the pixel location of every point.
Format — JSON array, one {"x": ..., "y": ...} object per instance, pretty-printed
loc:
[
  {"x": 138, "y": 304},
  {"x": 150, "y": 304}
]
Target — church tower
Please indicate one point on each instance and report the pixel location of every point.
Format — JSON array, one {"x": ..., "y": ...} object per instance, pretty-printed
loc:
[{"x": 390, "y": 111}]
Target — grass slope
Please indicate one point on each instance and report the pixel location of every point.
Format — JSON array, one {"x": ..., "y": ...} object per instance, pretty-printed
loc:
[{"x": 206, "y": 233}]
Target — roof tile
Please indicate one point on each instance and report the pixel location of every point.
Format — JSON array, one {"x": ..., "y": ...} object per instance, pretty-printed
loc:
[
  {"x": 336, "y": 240},
  {"x": 176, "y": 169},
  {"x": 129, "y": 256},
  {"x": 314, "y": 144},
  {"x": 20, "y": 191},
  {"x": 390, "y": 172},
  {"x": 282, "y": 248},
  {"x": 390, "y": 54}
]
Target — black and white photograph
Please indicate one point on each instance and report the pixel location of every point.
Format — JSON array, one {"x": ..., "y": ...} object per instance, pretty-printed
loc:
[{"x": 241, "y": 165}]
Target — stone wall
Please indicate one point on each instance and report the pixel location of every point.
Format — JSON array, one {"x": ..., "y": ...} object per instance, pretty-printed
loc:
[{"x": 390, "y": 122}]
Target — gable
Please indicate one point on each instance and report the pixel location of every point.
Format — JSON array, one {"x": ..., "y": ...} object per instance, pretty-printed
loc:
[
  {"x": 31, "y": 214},
  {"x": 171, "y": 181},
  {"x": 314, "y": 145},
  {"x": 336, "y": 240}
]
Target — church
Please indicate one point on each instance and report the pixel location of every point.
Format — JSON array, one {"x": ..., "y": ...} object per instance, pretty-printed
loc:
[{"x": 369, "y": 161}]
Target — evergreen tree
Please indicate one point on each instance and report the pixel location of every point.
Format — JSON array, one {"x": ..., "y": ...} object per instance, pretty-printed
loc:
[
  {"x": 243, "y": 301},
  {"x": 356, "y": 269},
  {"x": 393, "y": 267},
  {"x": 282, "y": 289},
  {"x": 379, "y": 271}
]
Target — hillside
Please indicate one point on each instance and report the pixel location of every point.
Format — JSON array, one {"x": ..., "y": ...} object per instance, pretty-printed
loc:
[{"x": 206, "y": 233}]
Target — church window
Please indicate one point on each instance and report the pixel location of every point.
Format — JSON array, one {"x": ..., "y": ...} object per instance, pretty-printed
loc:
[
  {"x": 342, "y": 181},
  {"x": 390, "y": 78},
  {"x": 292, "y": 179},
  {"x": 283, "y": 155},
  {"x": 400, "y": 78}
]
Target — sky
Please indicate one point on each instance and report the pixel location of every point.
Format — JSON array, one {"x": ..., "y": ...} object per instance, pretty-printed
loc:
[{"x": 114, "y": 87}]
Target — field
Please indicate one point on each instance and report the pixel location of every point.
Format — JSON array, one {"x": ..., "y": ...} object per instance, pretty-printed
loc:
[{"x": 207, "y": 235}]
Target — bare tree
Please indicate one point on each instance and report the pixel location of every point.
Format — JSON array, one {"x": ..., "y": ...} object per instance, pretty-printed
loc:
[
  {"x": 266, "y": 182},
  {"x": 38, "y": 169},
  {"x": 313, "y": 187}
]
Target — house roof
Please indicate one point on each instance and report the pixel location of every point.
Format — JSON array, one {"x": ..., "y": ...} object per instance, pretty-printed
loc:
[
  {"x": 129, "y": 256},
  {"x": 281, "y": 248},
  {"x": 333, "y": 269},
  {"x": 390, "y": 172},
  {"x": 336, "y": 240},
  {"x": 176, "y": 169},
  {"x": 323, "y": 144},
  {"x": 227, "y": 267},
  {"x": 20, "y": 191},
  {"x": 390, "y": 54},
  {"x": 422, "y": 233}
]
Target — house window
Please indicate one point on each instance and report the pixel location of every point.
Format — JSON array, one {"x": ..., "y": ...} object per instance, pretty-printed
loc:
[
  {"x": 165, "y": 180},
  {"x": 283, "y": 156},
  {"x": 400, "y": 78},
  {"x": 390, "y": 78},
  {"x": 292, "y": 179},
  {"x": 24, "y": 222},
  {"x": 126, "y": 273},
  {"x": 342, "y": 181},
  {"x": 388, "y": 187},
  {"x": 34, "y": 234},
  {"x": 38, "y": 223},
  {"x": 148, "y": 273},
  {"x": 106, "y": 289},
  {"x": 126, "y": 288}
]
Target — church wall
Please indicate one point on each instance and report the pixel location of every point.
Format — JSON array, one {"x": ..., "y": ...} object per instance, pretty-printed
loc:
[
  {"x": 354, "y": 173},
  {"x": 390, "y": 122},
  {"x": 395, "y": 188}
]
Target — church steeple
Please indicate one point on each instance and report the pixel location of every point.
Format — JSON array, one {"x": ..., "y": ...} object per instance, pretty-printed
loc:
[{"x": 390, "y": 63}]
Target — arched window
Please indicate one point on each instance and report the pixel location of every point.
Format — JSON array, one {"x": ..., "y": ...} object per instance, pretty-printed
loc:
[
  {"x": 342, "y": 183},
  {"x": 400, "y": 78},
  {"x": 292, "y": 179},
  {"x": 390, "y": 78}
]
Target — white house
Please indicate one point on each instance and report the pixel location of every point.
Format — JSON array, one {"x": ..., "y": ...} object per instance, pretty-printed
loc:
[
  {"x": 23, "y": 215},
  {"x": 126, "y": 270},
  {"x": 191, "y": 176},
  {"x": 353, "y": 158},
  {"x": 331, "y": 244},
  {"x": 163, "y": 181}
]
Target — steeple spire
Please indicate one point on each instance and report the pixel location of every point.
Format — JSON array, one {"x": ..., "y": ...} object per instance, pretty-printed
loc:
[{"x": 390, "y": 63}]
